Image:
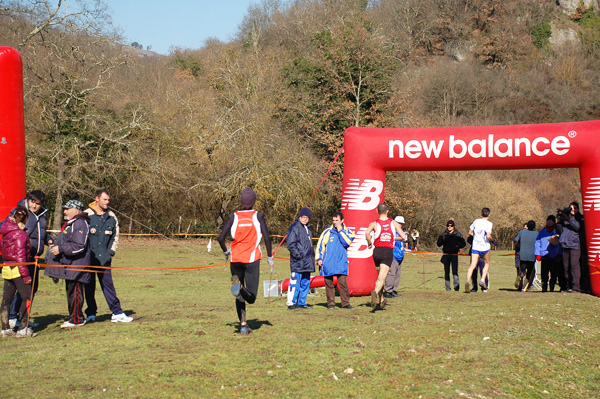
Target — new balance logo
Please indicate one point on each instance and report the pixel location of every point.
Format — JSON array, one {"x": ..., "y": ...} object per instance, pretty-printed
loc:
[
  {"x": 591, "y": 196},
  {"x": 363, "y": 196},
  {"x": 359, "y": 248},
  {"x": 594, "y": 247}
]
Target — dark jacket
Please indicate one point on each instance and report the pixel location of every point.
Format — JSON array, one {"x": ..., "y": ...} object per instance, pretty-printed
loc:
[
  {"x": 302, "y": 252},
  {"x": 74, "y": 246},
  {"x": 36, "y": 228},
  {"x": 451, "y": 243},
  {"x": 104, "y": 235},
  {"x": 15, "y": 248},
  {"x": 569, "y": 233}
]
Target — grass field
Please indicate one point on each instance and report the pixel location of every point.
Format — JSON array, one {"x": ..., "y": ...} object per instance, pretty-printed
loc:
[{"x": 427, "y": 344}]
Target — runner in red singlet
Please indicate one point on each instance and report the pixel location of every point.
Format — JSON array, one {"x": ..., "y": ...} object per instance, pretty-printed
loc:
[{"x": 382, "y": 233}]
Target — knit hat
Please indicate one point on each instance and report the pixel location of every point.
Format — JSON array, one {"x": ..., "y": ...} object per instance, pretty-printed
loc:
[
  {"x": 248, "y": 198},
  {"x": 304, "y": 212},
  {"x": 73, "y": 204}
]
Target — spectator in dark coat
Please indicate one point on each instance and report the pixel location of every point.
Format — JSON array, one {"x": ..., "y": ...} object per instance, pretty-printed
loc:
[
  {"x": 451, "y": 241},
  {"x": 302, "y": 261},
  {"x": 72, "y": 248},
  {"x": 568, "y": 228}
]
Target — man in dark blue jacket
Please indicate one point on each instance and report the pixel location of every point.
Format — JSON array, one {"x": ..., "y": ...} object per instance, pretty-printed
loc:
[
  {"x": 104, "y": 239},
  {"x": 569, "y": 228},
  {"x": 71, "y": 249},
  {"x": 302, "y": 261},
  {"x": 36, "y": 229}
]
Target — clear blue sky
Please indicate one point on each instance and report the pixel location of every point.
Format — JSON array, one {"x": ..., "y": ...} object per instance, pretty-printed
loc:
[{"x": 182, "y": 23}]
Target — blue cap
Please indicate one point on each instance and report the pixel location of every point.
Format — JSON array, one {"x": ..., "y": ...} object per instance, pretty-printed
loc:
[{"x": 304, "y": 212}]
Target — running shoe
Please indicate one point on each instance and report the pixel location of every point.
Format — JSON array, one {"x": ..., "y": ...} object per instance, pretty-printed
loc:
[
  {"x": 7, "y": 333},
  {"x": 374, "y": 299},
  {"x": 482, "y": 285},
  {"x": 25, "y": 332},
  {"x": 245, "y": 330},
  {"x": 67, "y": 325},
  {"x": 467, "y": 288},
  {"x": 120, "y": 318}
]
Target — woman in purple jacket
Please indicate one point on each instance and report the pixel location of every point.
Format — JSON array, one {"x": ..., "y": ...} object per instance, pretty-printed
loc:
[{"x": 15, "y": 249}]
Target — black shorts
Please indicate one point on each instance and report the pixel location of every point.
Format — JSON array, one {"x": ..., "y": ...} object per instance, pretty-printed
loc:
[{"x": 383, "y": 255}]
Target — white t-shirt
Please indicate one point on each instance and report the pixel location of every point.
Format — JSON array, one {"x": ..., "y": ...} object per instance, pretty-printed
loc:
[{"x": 481, "y": 228}]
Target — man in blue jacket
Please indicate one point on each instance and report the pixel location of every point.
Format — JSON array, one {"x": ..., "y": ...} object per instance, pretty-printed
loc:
[
  {"x": 548, "y": 252},
  {"x": 302, "y": 261},
  {"x": 104, "y": 239},
  {"x": 332, "y": 258}
]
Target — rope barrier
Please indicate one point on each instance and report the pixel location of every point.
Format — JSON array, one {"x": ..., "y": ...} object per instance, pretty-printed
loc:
[{"x": 317, "y": 189}]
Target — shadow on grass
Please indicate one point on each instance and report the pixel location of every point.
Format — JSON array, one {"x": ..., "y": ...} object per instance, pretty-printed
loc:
[
  {"x": 254, "y": 324},
  {"x": 48, "y": 320}
]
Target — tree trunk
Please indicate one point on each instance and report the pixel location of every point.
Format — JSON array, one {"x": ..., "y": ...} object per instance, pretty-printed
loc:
[{"x": 58, "y": 204}]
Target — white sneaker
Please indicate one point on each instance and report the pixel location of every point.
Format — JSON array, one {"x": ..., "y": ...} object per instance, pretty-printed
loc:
[
  {"x": 13, "y": 323},
  {"x": 7, "y": 333},
  {"x": 25, "y": 332},
  {"x": 121, "y": 318},
  {"x": 68, "y": 324}
]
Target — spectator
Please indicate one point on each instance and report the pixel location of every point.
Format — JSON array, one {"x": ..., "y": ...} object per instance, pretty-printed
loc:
[
  {"x": 36, "y": 230},
  {"x": 332, "y": 258},
  {"x": 72, "y": 248},
  {"x": 585, "y": 283},
  {"x": 302, "y": 261},
  {"x": 452, "y": 242},
  {"x": 16, "y": 248},
  {"x": 393, "y": 278},
  {"x": 548, "y": 252},
  {"x": 414, "y": 234},
  {"x": 568, "y": 228},
  {"x": 104, "y": 240}
]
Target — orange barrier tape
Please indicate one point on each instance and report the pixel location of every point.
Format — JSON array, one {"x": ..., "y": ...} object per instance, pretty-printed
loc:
[
  {"x": 16, "y": 264},
  {"x": 85, "y": 268}
]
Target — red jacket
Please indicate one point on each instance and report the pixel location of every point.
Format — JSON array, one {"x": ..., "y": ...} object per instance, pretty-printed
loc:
[{"x": 15, "y": 246}]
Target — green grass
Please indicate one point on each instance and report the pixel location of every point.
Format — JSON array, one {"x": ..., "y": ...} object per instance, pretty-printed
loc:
[{"x": 184, "y": 342}]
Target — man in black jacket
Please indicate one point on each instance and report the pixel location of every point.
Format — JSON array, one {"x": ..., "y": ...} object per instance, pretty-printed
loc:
[
  {"x": 451, "y": 241},
  {"x": 104, "y": 239},
  {"x": 302, "y": 261},
  {"x": 71, "y": 249}
]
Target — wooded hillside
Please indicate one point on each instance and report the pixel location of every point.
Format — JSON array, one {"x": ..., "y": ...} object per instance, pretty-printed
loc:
[{"x": 176, "y": 138}]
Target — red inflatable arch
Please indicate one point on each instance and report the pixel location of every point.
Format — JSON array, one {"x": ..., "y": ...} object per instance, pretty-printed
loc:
[
  {"x": 12, "y": 132},
  {"x": 370, "y": 152}
]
